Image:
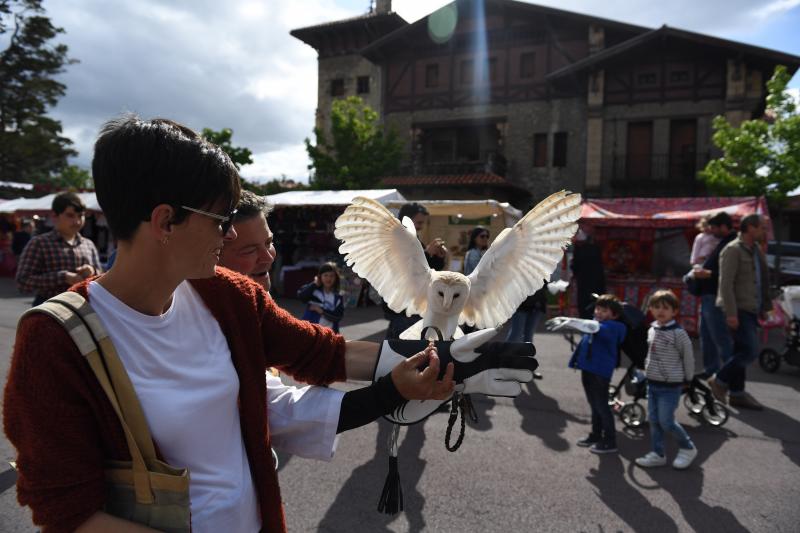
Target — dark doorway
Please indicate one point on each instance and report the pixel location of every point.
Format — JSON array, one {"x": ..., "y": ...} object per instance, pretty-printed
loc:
[
  {"x": 682, "y": 149},
  {"x": 640, "y": 150}
]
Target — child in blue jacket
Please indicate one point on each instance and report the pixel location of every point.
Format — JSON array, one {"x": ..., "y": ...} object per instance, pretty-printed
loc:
[
  {"x": 325, "y": 304},
  {"x": 596, "y": 357}
]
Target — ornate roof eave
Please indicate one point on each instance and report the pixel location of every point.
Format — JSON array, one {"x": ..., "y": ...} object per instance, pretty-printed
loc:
[{"x": 596, "y": 60}]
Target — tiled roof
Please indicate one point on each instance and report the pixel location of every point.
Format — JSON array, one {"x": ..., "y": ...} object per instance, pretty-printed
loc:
[
  {"x": 358, "y": 18},
  {"x": 453, "y": 179}
]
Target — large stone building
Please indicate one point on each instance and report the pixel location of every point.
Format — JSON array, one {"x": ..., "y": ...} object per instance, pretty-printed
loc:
[{"x": 505, "y": 98}]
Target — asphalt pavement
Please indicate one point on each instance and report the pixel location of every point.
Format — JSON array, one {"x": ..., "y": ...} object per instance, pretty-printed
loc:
[{"x": 518, "y": 468}]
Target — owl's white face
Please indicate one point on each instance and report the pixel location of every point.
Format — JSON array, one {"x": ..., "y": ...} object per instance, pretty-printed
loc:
[{"x": 448, "y": 293}]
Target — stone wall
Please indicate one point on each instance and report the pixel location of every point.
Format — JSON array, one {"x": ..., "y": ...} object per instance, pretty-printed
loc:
[
  {"x": 349, "y": 68},
  {"x": 523, "y": 121}
]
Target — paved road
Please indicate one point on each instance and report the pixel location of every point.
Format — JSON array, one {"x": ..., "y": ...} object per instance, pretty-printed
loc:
[{"x": 519, "y": 469}]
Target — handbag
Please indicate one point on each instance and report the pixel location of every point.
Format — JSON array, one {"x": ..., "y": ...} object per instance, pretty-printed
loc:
[
  {"x": 145, "y": 489},
  {"x": 693, "y": 285}
]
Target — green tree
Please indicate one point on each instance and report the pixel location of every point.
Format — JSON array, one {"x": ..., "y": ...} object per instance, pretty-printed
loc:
[
  {"x": 239, "y": 155},
  {"x": 760, "y": 156},
  {"x": 274, "y": 186},
  {"x": 31, "y": 144},
  {"x": 358, "y": 152},
  {"x": 72, "y": 177}
]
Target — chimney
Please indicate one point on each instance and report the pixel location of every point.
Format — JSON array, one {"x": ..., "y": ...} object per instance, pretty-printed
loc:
[{"x": 383, "y": 6}]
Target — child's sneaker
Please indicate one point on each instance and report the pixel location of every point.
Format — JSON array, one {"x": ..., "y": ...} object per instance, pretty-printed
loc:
[
  {"x": 588, "y": 441},
  {"x": 684, "y": 458},
  {"x": 602, "y": 447},
  {"x": 651, "y": 459}
]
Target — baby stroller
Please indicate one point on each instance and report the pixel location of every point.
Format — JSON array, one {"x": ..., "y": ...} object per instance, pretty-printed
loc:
[
  {"x": 769, "y": 359},
  {"x": 632, "y": 413},
  {"x": 697, "y": 399},
  {"x": 701, "y": 403}
]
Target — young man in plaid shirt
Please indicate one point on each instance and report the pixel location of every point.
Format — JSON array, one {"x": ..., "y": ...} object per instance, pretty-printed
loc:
[{"x": 54, "y": 261}]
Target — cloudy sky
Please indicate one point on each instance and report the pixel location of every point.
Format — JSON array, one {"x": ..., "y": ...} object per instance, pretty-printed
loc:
[{"x": 233, "y": 64}]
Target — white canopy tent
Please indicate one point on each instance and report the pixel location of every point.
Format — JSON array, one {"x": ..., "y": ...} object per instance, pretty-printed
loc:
[
  {"x": 44, "y": 204},
  {"x": 299, "y": 198}
]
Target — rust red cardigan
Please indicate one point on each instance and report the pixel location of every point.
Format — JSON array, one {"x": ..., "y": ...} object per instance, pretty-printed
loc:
[{"x": 64, "y": 428}]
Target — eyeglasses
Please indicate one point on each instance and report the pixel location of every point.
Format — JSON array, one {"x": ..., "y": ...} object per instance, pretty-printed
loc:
[{"x": 225, "y": 221}]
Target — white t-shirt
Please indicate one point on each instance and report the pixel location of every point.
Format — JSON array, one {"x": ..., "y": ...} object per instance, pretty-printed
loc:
[
  {"x": 303, "y": 421},
  {"x": 181, "y": 368}
]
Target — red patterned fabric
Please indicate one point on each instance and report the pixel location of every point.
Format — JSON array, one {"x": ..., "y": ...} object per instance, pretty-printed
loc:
[{"x": 666, "y": 212}]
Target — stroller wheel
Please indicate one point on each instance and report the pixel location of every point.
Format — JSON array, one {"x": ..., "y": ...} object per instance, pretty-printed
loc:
[
  {"x": 715, "y": 414},
  {"x": 694, "y": 407},
  {"x": 633, "y": 415},
  {"x": 769, "y": 360}
]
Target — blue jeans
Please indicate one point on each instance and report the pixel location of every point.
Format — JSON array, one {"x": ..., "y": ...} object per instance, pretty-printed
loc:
[
  {"x": 596, "y": 389},
  {"x": 715, "y": 337},
  {"x": 662, "y": 400},
  {"x": 523, "y": 324},
  {"x": 745, "y": 351}
]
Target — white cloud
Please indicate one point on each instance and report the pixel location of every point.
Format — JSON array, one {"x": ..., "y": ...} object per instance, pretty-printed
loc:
[
  {"x": 776, "y": 8},
  {"x": 291, "y": 160},
  {"x": 203, "y": 63},
  {"x": 233, "y": 64}
]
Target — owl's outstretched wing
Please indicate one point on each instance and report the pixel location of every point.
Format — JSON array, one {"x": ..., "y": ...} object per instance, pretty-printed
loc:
[
  {"x": 520, "y": 259},
  {"x": 380, "y": 249}
]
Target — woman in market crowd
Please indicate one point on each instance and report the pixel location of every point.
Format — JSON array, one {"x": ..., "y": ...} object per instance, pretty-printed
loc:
[
  {"x": 704, "y": 242},
  {"x": 478, "y": 244}
]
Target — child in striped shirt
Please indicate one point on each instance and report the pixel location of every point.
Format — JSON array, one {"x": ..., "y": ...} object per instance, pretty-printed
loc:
[{"x": 669, "y": 366}]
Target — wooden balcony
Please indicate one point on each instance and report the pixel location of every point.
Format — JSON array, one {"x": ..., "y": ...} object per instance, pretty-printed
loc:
[
  {"x": 492, "y": 163},
  {"x": 658, "y": 174}
]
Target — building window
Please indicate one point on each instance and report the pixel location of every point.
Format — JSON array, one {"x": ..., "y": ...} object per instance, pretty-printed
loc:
[
  {"x": 540, "y": 150},
  {"x": 467, "y": 71},
  {"x": 432, "y": 76},
  {"x": 362, "y": 85},
  {"x": 679, "y": 76},
  {"x": 527, "y": 65},
  {"x": 647, "y": 78},
  {"x": 337, "y": 87},
  {"x": 492, "y": 69},
  {"x": 560, "y": 149}
]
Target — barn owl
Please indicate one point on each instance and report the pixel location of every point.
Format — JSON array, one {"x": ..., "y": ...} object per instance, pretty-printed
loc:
[{"x": 387, "y": 253}]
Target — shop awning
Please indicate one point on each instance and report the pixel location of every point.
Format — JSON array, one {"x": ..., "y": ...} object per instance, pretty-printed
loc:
[
  {"x": 298, "y": 198},
  {"x": 44, "y": 204},
  {"x": 666, "y": 212}
]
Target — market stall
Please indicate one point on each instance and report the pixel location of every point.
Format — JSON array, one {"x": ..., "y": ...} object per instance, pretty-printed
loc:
[
  {"x": 645, "y": 243},
  {"x": 303, "y": 223}
]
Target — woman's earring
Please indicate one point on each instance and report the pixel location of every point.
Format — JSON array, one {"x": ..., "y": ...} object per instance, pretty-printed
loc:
[{"x": 165, "y": 240}]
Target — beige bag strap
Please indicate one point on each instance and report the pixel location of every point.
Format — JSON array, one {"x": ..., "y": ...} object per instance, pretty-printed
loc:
[{"x": 73, "y": 312}]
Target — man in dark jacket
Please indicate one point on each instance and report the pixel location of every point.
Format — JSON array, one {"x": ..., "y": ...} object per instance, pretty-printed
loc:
[
  {"x": 590, "y": 276},
  {"x": 715, "y": 337},
  {"x": 435, "y": 254},
  {"x": 21, "y": 237}
]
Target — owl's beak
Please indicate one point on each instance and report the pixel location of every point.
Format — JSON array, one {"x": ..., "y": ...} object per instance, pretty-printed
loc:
[{"x": 447, "y": 301}]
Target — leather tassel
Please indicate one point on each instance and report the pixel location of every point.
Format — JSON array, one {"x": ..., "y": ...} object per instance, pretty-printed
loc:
[{"x": 391, "y": 501}]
